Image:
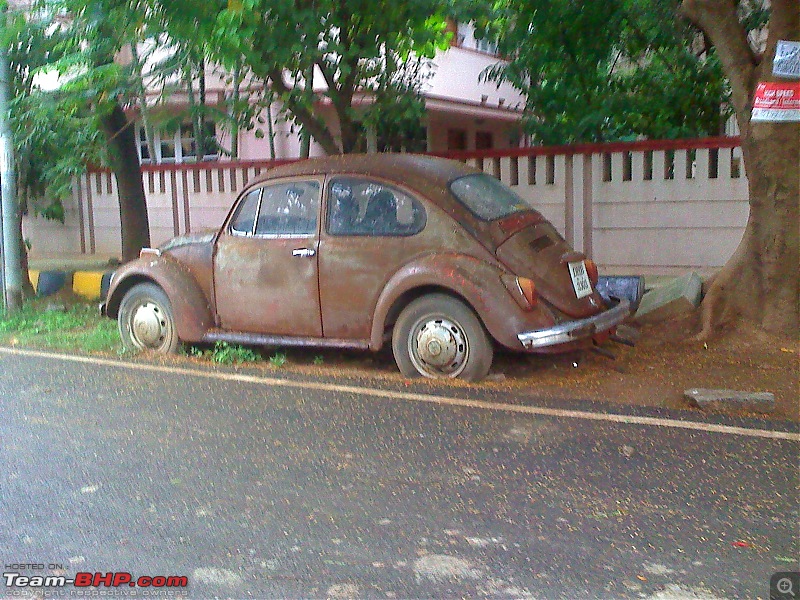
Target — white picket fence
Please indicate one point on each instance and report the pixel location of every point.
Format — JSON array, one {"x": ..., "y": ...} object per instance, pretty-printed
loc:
[{"x": 644, "y": 204}]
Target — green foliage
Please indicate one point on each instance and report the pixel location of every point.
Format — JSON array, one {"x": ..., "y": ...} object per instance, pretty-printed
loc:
[
  {"x": 77, "y": 327},
  {"x": 57, "y": 133},
  {"x": 318, "y": 359},
  {"x": 53, "y": 142},
  {"x": 227, "y": 354},
  {"x": 278, "y": 359},
  {"x": 368, "y": 48},
  {"x": 607, "y": 71}
]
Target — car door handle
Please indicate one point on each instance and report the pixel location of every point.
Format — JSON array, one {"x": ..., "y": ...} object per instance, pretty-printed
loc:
[{"x": 306, "y": 252}]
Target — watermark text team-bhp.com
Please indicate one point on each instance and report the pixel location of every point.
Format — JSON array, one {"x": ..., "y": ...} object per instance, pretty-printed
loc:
[{"x": 52, "y": 576}]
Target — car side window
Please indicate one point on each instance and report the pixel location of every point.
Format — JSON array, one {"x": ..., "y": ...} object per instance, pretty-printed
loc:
[
  {"x": 289, "y": 209},
  {"x": 245, "y": 217},
  {"x": 365, "y": 207}
]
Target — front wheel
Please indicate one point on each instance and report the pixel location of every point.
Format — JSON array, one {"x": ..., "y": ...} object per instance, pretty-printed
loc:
[
  {"x": 438, "y": 336},
  {"x": 146, "y": 321}
]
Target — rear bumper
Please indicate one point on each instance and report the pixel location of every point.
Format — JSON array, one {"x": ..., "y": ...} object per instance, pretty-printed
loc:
[{"x": 572, "y": 331}]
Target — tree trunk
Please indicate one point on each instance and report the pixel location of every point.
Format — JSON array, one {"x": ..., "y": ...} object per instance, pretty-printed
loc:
[
  {"x": 144, "y": 110},
  {"x": 760, "y": 282},
  {"x": 237, "y": 84},
  {"x": 120, "y": 136},
  {"x": 270, "y": 130},
  {"x": 200, "y": 136}
]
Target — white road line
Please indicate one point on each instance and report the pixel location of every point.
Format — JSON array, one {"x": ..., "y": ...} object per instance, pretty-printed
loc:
[{"x": 413, "y": 397}]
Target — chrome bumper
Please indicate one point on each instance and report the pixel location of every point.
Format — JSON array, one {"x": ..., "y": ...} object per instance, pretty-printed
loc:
[{"x": 575, "y": 330}]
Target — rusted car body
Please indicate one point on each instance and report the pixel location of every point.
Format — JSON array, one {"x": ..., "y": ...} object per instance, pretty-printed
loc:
[{"x": 432, "y": 256}]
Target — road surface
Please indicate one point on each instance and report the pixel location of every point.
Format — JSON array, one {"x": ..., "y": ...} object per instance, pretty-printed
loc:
[{"x": 280, "y": 487}]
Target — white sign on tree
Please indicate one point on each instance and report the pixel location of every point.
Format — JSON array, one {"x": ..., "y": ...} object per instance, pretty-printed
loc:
[{"x": 787, "y": 60}]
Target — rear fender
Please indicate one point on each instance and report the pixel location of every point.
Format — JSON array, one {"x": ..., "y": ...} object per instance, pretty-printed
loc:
[
  {"x": 475, "y": 281},
  {"x": 191, "y": 308}
]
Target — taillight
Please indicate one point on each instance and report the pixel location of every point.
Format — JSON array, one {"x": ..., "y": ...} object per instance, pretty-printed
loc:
[
  {"x": 528, "y": 289},
  {"x": 591, "y": 271}
]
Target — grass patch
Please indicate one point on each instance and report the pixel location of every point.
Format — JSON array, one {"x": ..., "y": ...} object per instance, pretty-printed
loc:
[
  {"x": 77, "y": 327},
  {"x": 278, "y": 359},
  {"x": 226, "y": 354}
]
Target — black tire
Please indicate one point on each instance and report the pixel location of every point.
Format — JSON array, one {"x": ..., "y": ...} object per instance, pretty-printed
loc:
[
  {"x": 146, "y": 320},
  {"x": 454, "y": 341}
]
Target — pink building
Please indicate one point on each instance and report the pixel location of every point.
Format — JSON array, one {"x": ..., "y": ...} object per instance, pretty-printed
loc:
[{"x": 463, "y": 112}]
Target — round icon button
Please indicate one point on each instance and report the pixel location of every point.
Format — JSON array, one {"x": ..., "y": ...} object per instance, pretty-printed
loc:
[{"x": 784, "y": 586}]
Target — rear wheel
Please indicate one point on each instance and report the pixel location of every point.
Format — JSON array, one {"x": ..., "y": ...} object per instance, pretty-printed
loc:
[
  {"x": 438, "y": 336},
  {"x": 146, "y": 321}
]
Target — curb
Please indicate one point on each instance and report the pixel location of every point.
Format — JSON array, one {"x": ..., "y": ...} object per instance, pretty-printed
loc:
[{"x": 92, "y": 285}]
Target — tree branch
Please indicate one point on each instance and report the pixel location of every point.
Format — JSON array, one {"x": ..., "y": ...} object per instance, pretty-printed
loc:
[
  {"x": 720, "y": 22},
  {"x": 303, "y": 114}
]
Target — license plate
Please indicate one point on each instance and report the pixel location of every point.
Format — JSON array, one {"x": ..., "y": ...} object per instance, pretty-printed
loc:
[{"x": 580, "y": 279}]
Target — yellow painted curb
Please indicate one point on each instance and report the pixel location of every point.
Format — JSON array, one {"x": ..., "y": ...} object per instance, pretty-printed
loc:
[
  {"x": 87, "y": 284},
  {"x": 34, "y": 277}
]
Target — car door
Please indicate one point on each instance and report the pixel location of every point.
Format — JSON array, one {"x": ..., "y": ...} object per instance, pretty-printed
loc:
[
  {"x": 371, "y": 231},
  {"x": 265, "y": 265}
]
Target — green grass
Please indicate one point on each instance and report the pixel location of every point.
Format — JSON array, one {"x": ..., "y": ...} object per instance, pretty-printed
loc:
[
  {"x": 79, "y": 327},
  {"x": 278, "y": 359},
  {"x": 226, "y": 354}
]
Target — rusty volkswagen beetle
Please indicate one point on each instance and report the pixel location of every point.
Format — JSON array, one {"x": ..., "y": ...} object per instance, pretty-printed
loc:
[{"x": 439, "y": 259}]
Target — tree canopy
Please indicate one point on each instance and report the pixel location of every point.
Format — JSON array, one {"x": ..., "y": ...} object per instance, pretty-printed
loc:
[
  {"x": 361, "y": 59},
  {"x": 603, "y": 71},
  {"x": 53, "y": 140}
]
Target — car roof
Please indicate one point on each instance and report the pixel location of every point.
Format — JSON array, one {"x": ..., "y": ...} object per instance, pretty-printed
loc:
[{"x": 428, "y": 174}]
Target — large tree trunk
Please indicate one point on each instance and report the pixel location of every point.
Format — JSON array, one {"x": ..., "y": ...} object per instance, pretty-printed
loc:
[
  {"x": 121, "y": 139},
  {"x": 761, "y": 280}
]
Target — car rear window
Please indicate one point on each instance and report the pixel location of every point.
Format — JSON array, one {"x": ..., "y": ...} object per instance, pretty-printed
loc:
[{"x": 487, "y": 197}]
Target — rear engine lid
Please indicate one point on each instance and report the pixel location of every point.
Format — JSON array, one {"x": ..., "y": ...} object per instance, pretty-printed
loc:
[{"x": 531, "y": 247}]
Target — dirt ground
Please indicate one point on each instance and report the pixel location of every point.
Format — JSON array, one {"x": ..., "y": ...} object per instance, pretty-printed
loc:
[{"x": 664, "y": 363}]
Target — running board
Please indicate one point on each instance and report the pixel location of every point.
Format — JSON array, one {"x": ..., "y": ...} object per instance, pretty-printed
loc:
[{"x": 258, "y": 339}]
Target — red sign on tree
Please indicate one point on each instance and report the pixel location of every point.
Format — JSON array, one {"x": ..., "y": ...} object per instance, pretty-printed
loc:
[{"x": 777, "y": 101}]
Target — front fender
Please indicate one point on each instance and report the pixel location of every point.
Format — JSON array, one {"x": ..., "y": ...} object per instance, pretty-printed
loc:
[
  {"x": 475, "y": 281},
  {"x": 191, "y": 308}
]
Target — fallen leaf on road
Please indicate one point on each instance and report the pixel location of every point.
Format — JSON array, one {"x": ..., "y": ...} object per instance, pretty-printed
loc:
[{"x": 741, "y": 544}]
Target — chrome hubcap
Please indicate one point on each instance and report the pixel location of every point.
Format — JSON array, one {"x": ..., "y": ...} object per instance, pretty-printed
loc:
[
  {"x": 148, "y": 325},
  {"x": 439, "y": 348}
]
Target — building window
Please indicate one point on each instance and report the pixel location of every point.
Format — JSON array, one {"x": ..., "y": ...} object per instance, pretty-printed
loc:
[
  {"x": 177, "y": 145},
  {"x": 484, "y": 140},
  {"x": 465, "y": 38},
  {"x": 456, "y": 139},
  {"x": 486, "y": 46}
]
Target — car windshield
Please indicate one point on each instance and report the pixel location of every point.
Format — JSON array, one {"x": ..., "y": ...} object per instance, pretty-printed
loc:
[{"x": 487, "y": 197}]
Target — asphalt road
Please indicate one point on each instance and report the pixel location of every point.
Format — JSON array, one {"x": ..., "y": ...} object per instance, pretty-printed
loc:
[{"x": 255, "y": 489}]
